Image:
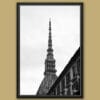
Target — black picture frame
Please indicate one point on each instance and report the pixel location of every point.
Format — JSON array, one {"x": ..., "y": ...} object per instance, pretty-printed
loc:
[{"x": 18, "y": 47}]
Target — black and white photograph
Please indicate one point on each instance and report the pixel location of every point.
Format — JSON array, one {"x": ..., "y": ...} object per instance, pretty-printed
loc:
[{"x": 50, "y": 50}]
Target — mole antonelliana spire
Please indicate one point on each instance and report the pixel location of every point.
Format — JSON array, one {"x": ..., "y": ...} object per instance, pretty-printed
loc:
[
  {"x": 50, "y": 61},
  {"x": 50, "y": 71}
]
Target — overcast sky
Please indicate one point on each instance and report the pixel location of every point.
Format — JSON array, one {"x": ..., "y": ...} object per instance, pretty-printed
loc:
[{"x": 34, "y": 24}]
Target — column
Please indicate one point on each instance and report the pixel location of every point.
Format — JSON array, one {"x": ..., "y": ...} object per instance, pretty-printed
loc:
[
  {"x": 71, "y": 89},
  {"x": 71, "y": 74},
  {"x": 60, "y": 87}
]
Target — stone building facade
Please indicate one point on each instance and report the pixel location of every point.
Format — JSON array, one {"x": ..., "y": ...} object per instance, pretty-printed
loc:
[{"x": 69, "y": 81}]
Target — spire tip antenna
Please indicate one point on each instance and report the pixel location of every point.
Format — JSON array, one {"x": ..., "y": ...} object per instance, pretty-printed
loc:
[{"x": 50, "y": 19}]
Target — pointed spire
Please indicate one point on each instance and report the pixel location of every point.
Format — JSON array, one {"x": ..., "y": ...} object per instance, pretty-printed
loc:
[
  {"x": 50, "y": 36},
  {"x": 50, "y": 61},
  {"x": 50, "y": 71},
  {"x": 49, "y": 24}
]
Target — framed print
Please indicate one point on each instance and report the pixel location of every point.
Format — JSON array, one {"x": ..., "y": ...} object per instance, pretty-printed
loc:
[{"x": 49, "y": 50}]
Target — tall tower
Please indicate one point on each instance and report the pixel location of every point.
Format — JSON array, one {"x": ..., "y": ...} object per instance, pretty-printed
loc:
[{"x": 50, "y": 71}]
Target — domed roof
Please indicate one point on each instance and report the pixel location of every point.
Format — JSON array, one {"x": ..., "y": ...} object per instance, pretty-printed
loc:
[{"x": 46, "y": 84}]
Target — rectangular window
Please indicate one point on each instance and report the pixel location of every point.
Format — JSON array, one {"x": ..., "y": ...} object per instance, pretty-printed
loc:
[
  {"x": 78, "y": 66},
  {"x": 67, "y": 78},
  {"x": 74, "y": 71},
  {"x": 58, "y": 89}
]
